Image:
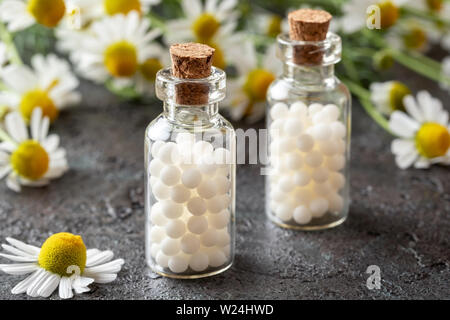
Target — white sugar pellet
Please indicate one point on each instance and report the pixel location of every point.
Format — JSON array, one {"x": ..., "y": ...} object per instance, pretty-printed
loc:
[
  {"x": 170, "y": 175},
  {"x": 153, "y": 181},
  {"x": 336, "y": 203},
  {"x": 199, "y": 261},
  {"x": 286, "y": 145},
  {"x": 301, "y": 196},
  {"x": 197, "y": 224},
  {"x": 286, "y": 184},
  {"x": 294, "y": 160},
  {"x": 202, "y": 148},
  {"x": 191, "y": 178},
  {"x": 302, "y": 215},
  {"x": 305, "y": 142},
  {"x": 207, "y": 189},
  {"x": 277, "y": 195},
  {"x": 320, "y": 117},
  {"x": 207, "y": 165},
  {"x": 190, "y": 243},
  {"x": 216, "y": 257},
  {"x": 156, "y": 215},
  {"x": 337, "y": 180},
  {"x": 168, "y": 153},
  {"x": 154, "y": 249},
  {"x": 336, "y": 162},
  {"x": 170, "y": 209},
  {"x": 302, "y": 178},
  {"x": 223, "y": 238},
  {"x": 293, "y": 127},
  {"x": 320, "y": 174},
  {"x": 225, "y": 199},
  {"x": 161, "y": 191},
  {"x": 175, "y": 228},
  {"x": 314, "y": 108},
  {"x": 223, "y": 184},
  {"x": 284, "y": 212},
  {"x": 328, "y": 147},
  {"x": 155, "y": 167},
  {"x": 332, "y": 112},
  {"x": 227, "y": 251},
  {"x": 222, "y": 157},
  {"x": 196, "y": 206},
  {"x": 185, "y": 138},
  {"x": 209, "y": 238},
  {"x": 276, "y": 128},
  {"x": 318, "y": 207},
  {"x": 338, "y": 129},
  {"x": 219, "y": 220},
  {"x": 313, "y": 159},
  {"x": 170, "y": 246},
  {"x": 298, "y": 110},
  {"x": 180, "y": 194},
  {"x": 155, "y": 148},
  {"x": 156, "y": 234},
  {"x": 321, "y": 132},
  {"x": 162, "y": 259},
  {"x": 279, "y": 110},
  {"x": 321, "y": 189},
  {"x": 215, "y": 205},
  {"x": 178, "y": 264},
  {"x": 340, "y": 146}
]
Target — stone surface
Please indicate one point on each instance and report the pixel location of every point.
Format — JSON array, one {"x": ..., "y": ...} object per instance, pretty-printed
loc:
[{"x": 399, "y": 220}]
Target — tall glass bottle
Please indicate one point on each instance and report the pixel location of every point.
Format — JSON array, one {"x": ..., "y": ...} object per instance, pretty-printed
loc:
[
  {"x": 308, "y": 118},
  {"x": 190, "y": 153}
]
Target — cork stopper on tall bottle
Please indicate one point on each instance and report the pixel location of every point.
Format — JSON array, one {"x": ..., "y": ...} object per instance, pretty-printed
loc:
[
  {"x": 308, "y": 25},
  {"x": 191, "y": 61}
]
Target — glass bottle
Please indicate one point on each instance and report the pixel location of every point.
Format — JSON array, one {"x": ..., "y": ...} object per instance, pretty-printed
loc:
[
  {"x": 308, "y": 117},
  {"x": 190, "y": 153}
]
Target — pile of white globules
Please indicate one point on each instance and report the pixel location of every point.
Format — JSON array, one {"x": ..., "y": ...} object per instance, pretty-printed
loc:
[
  {"x": 307, "y": 156},
  {"x": 190, "y": 217}
]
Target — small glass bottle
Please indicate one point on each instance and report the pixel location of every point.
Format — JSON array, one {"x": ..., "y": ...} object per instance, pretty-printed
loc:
[
  {"x": 190, "y": 152},
  {"x": 308, "y": 118}
]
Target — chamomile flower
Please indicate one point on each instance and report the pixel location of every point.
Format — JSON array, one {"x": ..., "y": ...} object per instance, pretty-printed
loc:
[
  {"x": 50, "y": 85},
  {"x": 30, "y": 160},
  {"x": 247, "y": 93},
  {"x": 62, "y": 261},
  {"x": 355, "y": 15},
  {"x": 424, "y": 132},
  {"x": 387, "y": 97},
  {"x": 21, "y": 14},
  {"x": 270, "y": 24},
  {"x": 120, "y": 48}
]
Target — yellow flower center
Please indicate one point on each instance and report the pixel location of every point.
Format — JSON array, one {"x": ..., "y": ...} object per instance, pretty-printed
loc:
[
  {"x": 113, "y": 7},
  {"x": 396, "y": 95},
  {"x": 149, "y": 68},
  {"x": 415, "y": 38},
  {"x": 61, "y": 251},
  {"x": 30, "y": 160},
  {"x": 205, "y": 27},
  {"x": 388, "y": 13},
  {"x": 120, "y": 59},
  {"x": 38, "y": 98},
  {"x": 432, "y": 140},
  {"x": 47, "y": 12},
  {"x": 435, "y": 5},
  {"x": 257, "y": 83},
  {"x": 274, "y": 27}
]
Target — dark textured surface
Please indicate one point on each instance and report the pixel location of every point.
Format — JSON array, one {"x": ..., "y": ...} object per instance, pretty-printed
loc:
[{"x": 399, "y": 220}]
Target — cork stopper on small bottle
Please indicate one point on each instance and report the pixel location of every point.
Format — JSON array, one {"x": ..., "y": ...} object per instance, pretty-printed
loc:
[
  {"x": 308, "y": 25},
  {"x": 191, "y": 61}
]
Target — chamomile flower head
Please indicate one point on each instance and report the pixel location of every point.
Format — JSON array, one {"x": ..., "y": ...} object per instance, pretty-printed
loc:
[
  {"x": 270, "y": 24},
  {"x": 120, "y": 48},
  {"x": 21, "y": 14},
  {"x": 62, "y": 261},
  {"x": 424, "y": 132},
  {"x": 49, "y": 85},
  {"x": 388, "y": 96},
  {"x": 247, "y": 93},
  {"x": 30, "y": 159},
  {"x": 356, "y": 14}
]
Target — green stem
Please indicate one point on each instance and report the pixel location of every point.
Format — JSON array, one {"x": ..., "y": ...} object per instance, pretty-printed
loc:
[
  {"x": 7, "y": 39},
  {"x": 364, "y": 97},
  {"x": 426, "y": 15}
]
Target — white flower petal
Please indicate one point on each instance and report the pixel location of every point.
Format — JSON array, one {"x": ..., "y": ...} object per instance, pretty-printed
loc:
[
  {"x": 38, "y": 283},
  {"x": 402, "y": 146},
  {"x": 18, "y": 252},
  {"x": 16, "y": 127},
  {"x": 109, "y": 267},
  {"x": 406, "y": 160},
  {"x": 402, "y": 125},
  {"x": 17, "y": 258},
  {"x": 99, "y": 258},
  {"x": 35, "y": 123},
  {"x": 7, "y": 146},
  {"x": 49, "y": 286},
  {"x": 4, "y": 171},
  {"x": 80, "y": 284},
  {"x": 13, "y": 182},
  {"x": 412, "y": 108},
  {"x": 105, "y": 277},
  {"x": 65, "y": 288},
  {"x": 32, "y": 250},
  {"x": 19, "y": 268},
  {"x": 422, "y": 163},
  {"x": 23, "y": 285}
]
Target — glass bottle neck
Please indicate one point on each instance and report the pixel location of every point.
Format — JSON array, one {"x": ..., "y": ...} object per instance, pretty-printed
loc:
[
  {"x": 191, "y": 115},
  {"x": 309, "y": 75}
]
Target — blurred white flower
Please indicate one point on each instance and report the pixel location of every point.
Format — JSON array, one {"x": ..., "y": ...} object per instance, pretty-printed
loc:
[
  {"x": 387, "y": 97},
  {"x": 202, "y": 23},
  {"x": 21, "y": 14},
  {"x": 120, "y": 48},
  {"x": 424, "y": 132},
  {"x": 355, "y": 13},
  {"x": 246, "y": 95},
  {"x": 30, "y": 161},
  {"x": 50, "y": 85},
  {"x": 270, "y": 24},
  {"x": 63, "y": 262}
]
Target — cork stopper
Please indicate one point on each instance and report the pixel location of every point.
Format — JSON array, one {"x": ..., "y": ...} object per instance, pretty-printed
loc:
[
  {"x": 308, "y": 25},
  {"x": 191, "y": 61}
]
